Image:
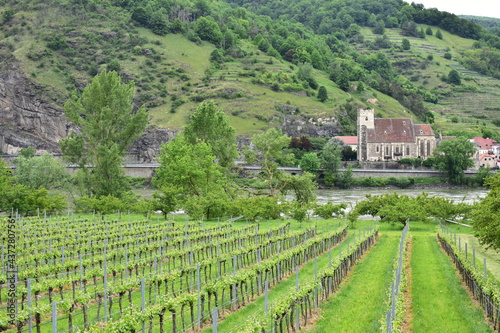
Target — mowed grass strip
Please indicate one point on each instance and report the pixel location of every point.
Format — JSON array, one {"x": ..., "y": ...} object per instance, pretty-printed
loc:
[
  {"x": 440, "y": 302},
  {"x": 360, "y": 303}
]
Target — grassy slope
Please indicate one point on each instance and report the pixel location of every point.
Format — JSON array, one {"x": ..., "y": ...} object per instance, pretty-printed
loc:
[
  {"x": 254, "y": 111},
  {"x": 57, "y": 70},
  {"x": 439, "y": 301}
]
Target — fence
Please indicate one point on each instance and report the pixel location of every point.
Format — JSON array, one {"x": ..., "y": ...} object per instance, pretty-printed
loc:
[
  {"x": 392, "y": 315},
  {"x": 483, "y": 288}
]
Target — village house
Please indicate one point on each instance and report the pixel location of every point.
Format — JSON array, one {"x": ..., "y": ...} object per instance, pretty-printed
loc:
[
  {"x": 391, "y": 139},
  {"x": 488, "y": 152},
  {"x": 351, "y": 141}
]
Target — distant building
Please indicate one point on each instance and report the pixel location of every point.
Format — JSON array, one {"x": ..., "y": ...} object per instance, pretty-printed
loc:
[
  {"x": 386, "y": 139},
  {"x": 488, "y": 152},
  {"x": 351, "y": 141}
]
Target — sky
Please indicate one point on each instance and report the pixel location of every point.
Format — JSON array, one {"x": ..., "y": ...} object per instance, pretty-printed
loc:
[{"x": 488, "y": 8}]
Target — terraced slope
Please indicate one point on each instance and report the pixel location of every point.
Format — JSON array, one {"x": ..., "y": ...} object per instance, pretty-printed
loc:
[{"x": 472, "y": 104}]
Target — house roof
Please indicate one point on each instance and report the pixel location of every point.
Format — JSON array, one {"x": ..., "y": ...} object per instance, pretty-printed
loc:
[
  {"x": 392, "y": 130},
  {"x": 481, "y": 156},
  {"x": 424, "y": 129},
  {"x": 348, "y": 140},
  {"x": 484, "y": 143}
]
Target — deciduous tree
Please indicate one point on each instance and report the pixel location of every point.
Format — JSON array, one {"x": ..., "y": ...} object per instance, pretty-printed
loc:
[
  {"x": 107, "y": 126},
  {"x": 322, "y": 94},
  {"x": 40, "y": 171},
  {"x": 453, "y": 157},
  {"x": 211, "y": 126},
  {"x": 485, "y": 217}
]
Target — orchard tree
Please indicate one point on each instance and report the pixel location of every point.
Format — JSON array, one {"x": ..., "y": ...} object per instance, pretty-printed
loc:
[
  {"x": 453, "y": 157},
  {"x": 107, "y": 126},
  {"x": 329, "y": 210},
  {"x": 485, "y": 217},
  {"x": 211, "y": 126}
]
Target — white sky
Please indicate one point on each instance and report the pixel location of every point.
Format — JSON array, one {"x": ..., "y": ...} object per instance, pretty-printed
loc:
[{"x": 488, "y": 8}]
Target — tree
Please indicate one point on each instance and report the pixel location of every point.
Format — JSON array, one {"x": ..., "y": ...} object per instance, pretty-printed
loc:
[
  {"x": 107, "y": 126},
  {"x": 322, "y": 94},
  {"x": 268, "y": 148},
  {"x": 439, "y": 34},
  {"x": 343, "y": 81},
  {"x": 309, "y": 162},
  {"x": 8, "y": 15},
  {"x": 40, "y": 171},
  {"x": 390, "y": 208},
  {"x": 453, "y": 157},
  {"x": 454, "y": 77},
  {"x": 158, "y": 23},
  {"x": 211, "y": 126},
  {"x": 188, "y": 176},
  {"x": 379, "y": 28},
  {"x": 485, "y": 217},
  {"x": 428, "y": 31},
  {"x": 331, "y": 155},
  {"x": 208, "y": 30},
  {"x": 330, "y": 210},
  {"x": 23, "y": 199},
  {"x": 405, "y": 44}
]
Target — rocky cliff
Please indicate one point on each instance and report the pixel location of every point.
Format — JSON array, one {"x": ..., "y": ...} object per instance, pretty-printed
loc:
[{"x": 26, "y": 119}]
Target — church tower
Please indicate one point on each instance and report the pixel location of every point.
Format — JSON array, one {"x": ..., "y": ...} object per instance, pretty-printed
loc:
[{"x": 366, "y": 120}]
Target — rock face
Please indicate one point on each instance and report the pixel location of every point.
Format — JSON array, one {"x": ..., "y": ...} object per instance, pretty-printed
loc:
[
  {"x": 149, "y": 144},
  {"x": 26, "y": 119},
  {"x": 295, "y": 126}
]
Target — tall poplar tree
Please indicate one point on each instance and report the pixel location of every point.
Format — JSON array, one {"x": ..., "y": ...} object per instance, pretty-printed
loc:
[{"x": 107, "y": 126}]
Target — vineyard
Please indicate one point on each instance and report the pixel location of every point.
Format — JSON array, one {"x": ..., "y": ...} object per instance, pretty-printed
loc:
[{"x": 124, "y": 273}]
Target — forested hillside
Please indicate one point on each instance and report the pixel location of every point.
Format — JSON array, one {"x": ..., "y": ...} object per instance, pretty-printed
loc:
[{"x": 300, "y": 65}]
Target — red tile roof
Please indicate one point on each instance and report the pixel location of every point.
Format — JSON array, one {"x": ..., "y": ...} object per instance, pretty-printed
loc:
[
  {"x": 392, "y": 130},
  {"x": 348, "y": 140},
  {"x": 484, "y": 143},
  {"x": 424, "y": 129}
]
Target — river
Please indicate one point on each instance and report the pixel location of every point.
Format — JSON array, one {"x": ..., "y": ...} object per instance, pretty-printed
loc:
[{"x": 352, "y": 196}]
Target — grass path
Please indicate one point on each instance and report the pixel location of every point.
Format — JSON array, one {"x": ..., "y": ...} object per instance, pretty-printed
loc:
[
  {"x": 360, "y": 303},
  {"x": 440, "y": 303}
]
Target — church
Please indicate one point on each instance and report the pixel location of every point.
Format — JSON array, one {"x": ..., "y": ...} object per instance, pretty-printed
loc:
[{"x": 391, "y": 139}]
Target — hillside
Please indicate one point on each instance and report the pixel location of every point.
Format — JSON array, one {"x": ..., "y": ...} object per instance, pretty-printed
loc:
[{"x": 262, "y": 70}]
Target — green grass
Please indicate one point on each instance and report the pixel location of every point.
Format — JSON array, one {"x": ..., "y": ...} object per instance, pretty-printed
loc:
[
  {"x": 360, "y": 303},
  {"x": 439, "y": 301},
  {"x": 492, "y": 256}
]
